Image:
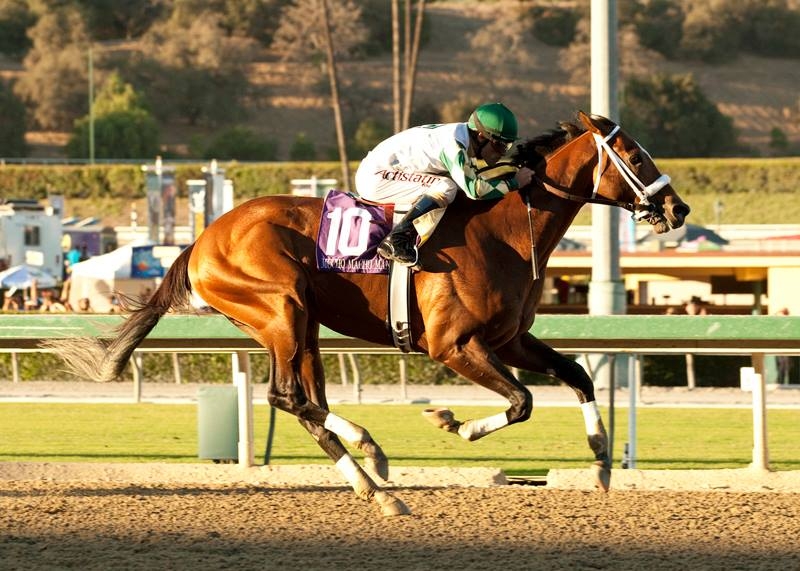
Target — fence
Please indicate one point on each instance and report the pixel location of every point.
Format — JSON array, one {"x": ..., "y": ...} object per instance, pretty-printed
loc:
[{"x": 615, "y": 334}]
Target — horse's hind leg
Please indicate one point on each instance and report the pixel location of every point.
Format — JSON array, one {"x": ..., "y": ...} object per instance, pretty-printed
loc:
[{"x": 529, "y": 353}]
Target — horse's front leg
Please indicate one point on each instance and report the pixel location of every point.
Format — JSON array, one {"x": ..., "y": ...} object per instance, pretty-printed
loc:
[
  {"x": 313, "y": 380},
  {"x": 297, "y": 386},
  {"x": 529, "y": 353},
  {"x": 477, "y": 362}
]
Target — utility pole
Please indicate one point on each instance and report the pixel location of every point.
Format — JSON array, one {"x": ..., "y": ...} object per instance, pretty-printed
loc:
[
  {"x": 91, "y": 106},
  {"x": 606, "y": 290}
]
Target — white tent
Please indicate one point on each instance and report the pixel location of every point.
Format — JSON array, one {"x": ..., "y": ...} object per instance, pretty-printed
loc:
[{"x": 100, "y": 277}]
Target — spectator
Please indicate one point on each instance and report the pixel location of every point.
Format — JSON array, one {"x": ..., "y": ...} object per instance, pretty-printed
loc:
[
  {"x": 85, "y": 305},
  {"x": 783, "y": 362},
  {"x": 73, "y": 257},
  {"x": 11, "y": 300},
  {"x": 50, "y": 302},
  {"x": 144, "y": 295},
  {"x": 32, "y": 297},
  {"x": 695, "y": 306}
]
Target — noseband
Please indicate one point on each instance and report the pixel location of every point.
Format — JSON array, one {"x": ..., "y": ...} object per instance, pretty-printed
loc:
[{"x": 642, "y": 210}]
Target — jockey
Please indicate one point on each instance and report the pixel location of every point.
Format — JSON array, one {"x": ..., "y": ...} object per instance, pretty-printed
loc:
[{"x": 426, "y": 166}]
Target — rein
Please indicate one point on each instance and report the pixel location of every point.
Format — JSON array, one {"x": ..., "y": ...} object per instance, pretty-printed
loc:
[{"x": 552, "y": 188}]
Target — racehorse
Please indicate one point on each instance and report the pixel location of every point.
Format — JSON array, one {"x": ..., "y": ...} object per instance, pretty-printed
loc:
[{"x": 474, "y": 303}]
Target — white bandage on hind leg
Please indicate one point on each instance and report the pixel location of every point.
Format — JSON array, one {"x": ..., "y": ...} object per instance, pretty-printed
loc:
[
  {"x": 591, "y": 416},
  {"x": 343, "y": 428}
]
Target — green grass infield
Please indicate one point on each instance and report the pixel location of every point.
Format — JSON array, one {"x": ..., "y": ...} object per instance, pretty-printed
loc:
[{"x": 668, "y": 438}]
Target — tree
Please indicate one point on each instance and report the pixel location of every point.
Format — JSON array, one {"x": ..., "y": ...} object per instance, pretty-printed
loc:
[
  {"x": 709, "y": 34},
  {"x": 659, "y": 26},
  {"x": 55, "y": 83},
  {"x": 123, "y": 128},
  {"x": 300, "y": 37},
  {"x": 12, "y": 124},
  {"x": 257, "y": 19},
  {"x": 112, "y": 19},
  {"x": 673, "y": 118},
  {"x": 15, "y": 19},
  {"x": 196, "y": 72},
  {"x": 770, "y": 28},
  {"x": 327, "y": 33}
]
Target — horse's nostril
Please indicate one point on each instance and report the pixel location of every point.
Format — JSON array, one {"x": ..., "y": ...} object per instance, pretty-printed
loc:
[{"x": 681, "y": 210}]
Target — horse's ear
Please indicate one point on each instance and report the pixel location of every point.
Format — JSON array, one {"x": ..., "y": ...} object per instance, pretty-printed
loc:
[
  {"x": 596, "y": 123},
  {"x": 587, "y": 121}
]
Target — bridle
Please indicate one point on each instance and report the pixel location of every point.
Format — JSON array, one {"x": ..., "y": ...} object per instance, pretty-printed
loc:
[{"x": 642, "y": 210}]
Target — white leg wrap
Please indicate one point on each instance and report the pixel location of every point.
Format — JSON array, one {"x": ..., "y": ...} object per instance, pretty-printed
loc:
[
  {"x": 473, "y": 429},
  {"x": 591, "y": 416},
  {"x": 344, "y": 428},
  {"x": 349, "y": 469},
  {"x": 359, "y": 481}
]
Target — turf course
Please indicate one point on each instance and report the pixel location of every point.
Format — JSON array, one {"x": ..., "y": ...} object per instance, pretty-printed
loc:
[{"x": 553, "y": 438}]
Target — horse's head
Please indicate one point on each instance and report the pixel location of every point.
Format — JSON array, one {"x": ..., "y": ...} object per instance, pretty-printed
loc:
[{"x": 626, "y": 172}]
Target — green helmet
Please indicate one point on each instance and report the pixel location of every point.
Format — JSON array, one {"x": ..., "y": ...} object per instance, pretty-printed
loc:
[{"x": 495, "y": 120}]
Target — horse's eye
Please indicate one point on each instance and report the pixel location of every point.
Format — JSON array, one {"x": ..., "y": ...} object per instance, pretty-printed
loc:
[{"x": 636, "y": 159}]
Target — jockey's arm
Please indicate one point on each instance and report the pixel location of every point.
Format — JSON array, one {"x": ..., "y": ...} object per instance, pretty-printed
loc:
[{"x": 463, "y": 172}]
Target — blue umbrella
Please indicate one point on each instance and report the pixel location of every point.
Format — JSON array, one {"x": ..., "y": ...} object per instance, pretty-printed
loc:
[{"x": 22, "y": 276}]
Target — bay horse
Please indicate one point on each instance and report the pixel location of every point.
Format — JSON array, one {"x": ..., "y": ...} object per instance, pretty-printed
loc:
[{"x": 474, "y": 302}]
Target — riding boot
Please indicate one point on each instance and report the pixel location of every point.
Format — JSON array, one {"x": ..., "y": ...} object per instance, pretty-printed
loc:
[{"x": 401, "y": 243}]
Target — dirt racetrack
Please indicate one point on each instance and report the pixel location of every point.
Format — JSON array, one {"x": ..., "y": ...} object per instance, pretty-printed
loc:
[{"x": 55, "y": 523}]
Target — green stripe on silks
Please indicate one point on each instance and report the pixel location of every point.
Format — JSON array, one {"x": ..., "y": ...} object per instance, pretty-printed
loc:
[{"x": 503, "y": 170}]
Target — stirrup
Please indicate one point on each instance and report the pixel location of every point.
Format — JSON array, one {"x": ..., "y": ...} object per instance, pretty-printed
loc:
[{"x": 388, "y": 250}]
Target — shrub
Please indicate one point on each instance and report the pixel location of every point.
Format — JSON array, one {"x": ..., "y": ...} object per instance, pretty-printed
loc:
[
  {"x": 555, "y": 26},
  {"x": 12, "y": 124},
  {"x": 673, "y": 118},
  {"x": 15, "y": 19},
  {"x": 778, "y": 140},
  {"x": 709, "y": 34},
  {"x": 369, "y": 133},
  {"x": 302, "y": 149},
  {"x": 241, "y": 144},
  {"x": 659, "y": 26},
  {"x": 771, "y": 30},
  {"x": 458, "y": 110}
]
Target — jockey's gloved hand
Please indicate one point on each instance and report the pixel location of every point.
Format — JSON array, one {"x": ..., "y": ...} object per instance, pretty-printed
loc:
[{"x": 523, "y": 177}]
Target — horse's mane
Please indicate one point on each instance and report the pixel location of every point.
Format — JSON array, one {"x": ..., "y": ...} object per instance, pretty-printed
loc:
[{"x": 531, "y": 152}]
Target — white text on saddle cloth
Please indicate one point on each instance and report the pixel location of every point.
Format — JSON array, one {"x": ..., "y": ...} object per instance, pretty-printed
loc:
[{"x": 349, "y": 234}]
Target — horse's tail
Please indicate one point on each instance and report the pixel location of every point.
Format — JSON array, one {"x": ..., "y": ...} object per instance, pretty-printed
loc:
[{"x": 102, "y": 361}]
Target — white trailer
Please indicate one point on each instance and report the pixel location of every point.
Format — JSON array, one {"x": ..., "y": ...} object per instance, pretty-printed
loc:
[{"x": 30, "y": 233}]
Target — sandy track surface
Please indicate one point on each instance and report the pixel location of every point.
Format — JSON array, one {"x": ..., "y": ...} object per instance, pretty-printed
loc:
[
  {"x": 142, "y": 516},
  {"x": 58, "y": 525}
]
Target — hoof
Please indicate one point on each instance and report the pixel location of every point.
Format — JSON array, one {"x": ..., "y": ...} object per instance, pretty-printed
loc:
[
  {"x": 379, "y": 466},
  {"x": 602, "y": 476},
  {"x": 442, "y": 418},
  {"x": 390, "y": 506}
]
